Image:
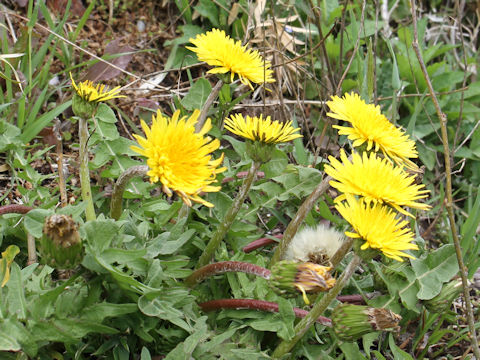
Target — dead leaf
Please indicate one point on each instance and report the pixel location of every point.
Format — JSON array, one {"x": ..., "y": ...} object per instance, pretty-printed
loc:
[
  {"x": 102, "y": 71},
  {"x": 232, "y": 16},
  {"x": 48, "y": 136},
  {"x": 22, "y": 3},
  {"x": 59, "y": 6}
]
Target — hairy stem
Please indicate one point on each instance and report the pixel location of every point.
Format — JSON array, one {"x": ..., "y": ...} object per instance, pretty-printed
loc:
[
  {"x": 84, "y": 172},
  {"x": 318, "y": 308},
  {"x": 232, "y": 212},
  {"x": 15, "y": 209},
  {"x": 219, "y": 304},
  {"x": 448, "y": 188},
  {"x": 341, "y": 252},
  {"x": 293, "y": 226},
  {"x": 119, "y": 188},
  {"x": 223, "y": 267},
  {"x": 210, "y": 99},
  {"x": 265, "y": 241}
]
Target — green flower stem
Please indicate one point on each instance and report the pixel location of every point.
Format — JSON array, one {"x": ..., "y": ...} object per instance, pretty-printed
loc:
[
  {"x": 318, "y": 308},
  {"x": 232, "y": 212},
  {"x": 119, "y": 188},
  {"x": 293, "y": 226},
  {"x": 223, "y": 267},
  {"x": 84, "y": 172}
]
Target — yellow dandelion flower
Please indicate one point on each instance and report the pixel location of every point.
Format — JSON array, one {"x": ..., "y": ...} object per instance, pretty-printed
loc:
[
  {"x": 378, "y": 226},
  {"x": 218, "y": 49},
  {"x": 95, "y": 93},
  {"x": 262, "y": 130},
  {"x": 370, "y": 126},
  {"x": 179, "y": 157},
  {"x": 377, "y": 180}
]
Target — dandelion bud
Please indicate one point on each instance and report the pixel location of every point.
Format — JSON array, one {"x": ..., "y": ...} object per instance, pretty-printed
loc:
[
  {"x": 259, "y": 151},
  {"x": 60, "y": 245},
  {"x": 290, "y": 277},
  {"x": 366, "y": 254},
  {"x": 82, "y": 108},
  {"x": 350, "y": 322},
  {"x": 442, "y": 301}
]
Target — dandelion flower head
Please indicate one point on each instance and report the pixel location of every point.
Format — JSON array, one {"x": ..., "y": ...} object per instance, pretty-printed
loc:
[
  {"x": 370, "y": 126},
  {"x": 90, "y": 92},
  {"x": 377, "y": 180},
  {"x": 378, "y": 226},
  {"x": 262, "y": 130},
  {"x": 227, "y": 55},
  {"x": 179, "y": 157}
]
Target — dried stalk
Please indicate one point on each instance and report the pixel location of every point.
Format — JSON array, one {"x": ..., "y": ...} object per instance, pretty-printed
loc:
[
  {"x": 293, "y": 226},
  {"x": 448, "y": 186},
  {"x": 227, "y": 221},
  {"x": 210, "y": 99}
]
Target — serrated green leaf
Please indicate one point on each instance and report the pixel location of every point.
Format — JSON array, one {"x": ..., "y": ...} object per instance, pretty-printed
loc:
[
  {"x": 398, "y": 353},
  {"x": 105, "y": 113},
  {"x": 34, "y": 221},
  {"x": 100, "y": 234},
  {"x": 432, "y": 271},
  {"x": 6, "y": 262},
  {"x": 197, "y": 95}
]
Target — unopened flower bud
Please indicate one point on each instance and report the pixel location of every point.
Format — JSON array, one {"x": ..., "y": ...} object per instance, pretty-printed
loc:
[
  {"x": 82, "y": 108},
  {"x": 367, "y": 254},
  {"x": 60, "y": 245},
  {"x": 259, "y": 151},
  {"x": 290, "y": 278},
  {"x": 350, "y": 322}
]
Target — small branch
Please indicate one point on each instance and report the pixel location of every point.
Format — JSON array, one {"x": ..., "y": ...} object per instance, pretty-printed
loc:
[
  {"x": 341, "y": 252},
  {"x": 224, "y": 267},
  {"x": 448, "y": 187},
  {"x": 84, "y": 172},
  {"x": 261, "y": 305},
  {"x": 32, "y": 251},
  {"x": 293, "y": 226},
  {"x": 119, "y": 188},
  {"x": 357, "y": 45},
  {"x": 232, "y": 212},
  {"x": 318, "y": 308},
  {"x": 265, "y": 241},
  {"x": 15, "y": 209},
  {"x": 61, "y": 176},
  {"x": 210, "y": 99}
]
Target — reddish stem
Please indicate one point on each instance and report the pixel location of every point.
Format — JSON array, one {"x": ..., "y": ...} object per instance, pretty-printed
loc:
[
  {"x": 15, "y": 209},
  {"x": 223, "y": 267},
  {"x": 260, "y": 243},
  {"x": 356, "y": 299},
  {"x": 255, "y": 305}
]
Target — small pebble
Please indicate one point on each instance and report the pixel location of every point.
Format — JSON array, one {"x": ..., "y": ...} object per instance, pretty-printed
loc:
[{"x": 140, "y": 26}]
